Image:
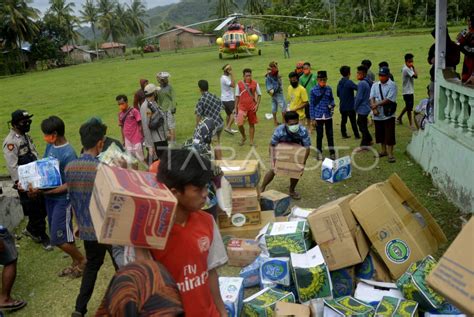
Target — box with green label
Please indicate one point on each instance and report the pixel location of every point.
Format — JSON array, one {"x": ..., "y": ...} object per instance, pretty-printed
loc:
[
  {"x": 395, "y": 307},
  {"x": 262, "y": 304},
  {"x": 283, "y": 238},
  {"x": 413, "y": 284},
  {"x": 311, "y": 275},
  {"x": 348, "y": 306}
]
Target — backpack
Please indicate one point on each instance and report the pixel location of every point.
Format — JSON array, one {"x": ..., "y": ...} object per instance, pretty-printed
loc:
[{"x": 157, "y": 118}]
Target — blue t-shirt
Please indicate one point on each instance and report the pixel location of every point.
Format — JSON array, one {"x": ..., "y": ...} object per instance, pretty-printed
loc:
[
  {"x": 345, "y": 92},
  {"x": 64, "y": 154}
]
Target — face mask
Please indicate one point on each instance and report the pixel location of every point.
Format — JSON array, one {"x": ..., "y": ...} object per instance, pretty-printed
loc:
[
  {"x": 50, "y": 138},
  {"x": 306, "y": 71},
  {"x": 123, "y": 107},
  {"x": 24, "y": 127},
  {"x": 293, "y": 128},
  {"x": 274, "y": 72},
  {"x": 294, "y": 84}
]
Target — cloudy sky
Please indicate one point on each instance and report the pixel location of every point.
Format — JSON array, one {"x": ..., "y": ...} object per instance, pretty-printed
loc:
[{"x": 43, "y": 5}]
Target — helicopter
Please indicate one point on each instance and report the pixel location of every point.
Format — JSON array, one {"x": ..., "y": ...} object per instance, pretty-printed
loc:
[{"x": 238, "y": 39}]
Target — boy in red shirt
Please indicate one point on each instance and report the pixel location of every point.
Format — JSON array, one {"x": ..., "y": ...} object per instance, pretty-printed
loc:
[
  {"x": 247, "y": 100},
  {"x": 194, "y": 249}
]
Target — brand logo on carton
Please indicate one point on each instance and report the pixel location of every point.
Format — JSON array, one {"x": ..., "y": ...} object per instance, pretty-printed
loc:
[
  {"x": 165, "y": 217},
  {"x": 397, "y": 251},
  {"x": 274, "y": 270}
]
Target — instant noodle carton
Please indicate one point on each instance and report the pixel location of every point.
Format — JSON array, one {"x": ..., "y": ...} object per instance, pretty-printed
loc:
[
  {"x": 311, "y": 275},
  {"x": 276, "y": 270},
  {"x": 283, "y": 238},
  {"x": 129, "y": 207},
  {"x": 242, "y": 252},
  {"x": 240, "y": 219},
  {"x": 262, "y": 304},
  {"x": 232, "y": 293},
  {"x": 275, "y": 200},
  {"x": 396, "y": 307},
  {"x": 334, "y": 171},
  {"x": 241, "y": 174},
  {"x": 347, "y": 306},
  {"x": 245, "y": 199},
  {"x": 343, "y": 282}
]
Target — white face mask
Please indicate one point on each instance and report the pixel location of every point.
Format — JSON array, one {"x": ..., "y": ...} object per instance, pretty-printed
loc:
[{"x": 293, "y": 128}]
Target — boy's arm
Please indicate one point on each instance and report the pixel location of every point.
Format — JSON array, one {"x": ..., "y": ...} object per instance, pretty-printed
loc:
[{"x": 216, "y": 293}]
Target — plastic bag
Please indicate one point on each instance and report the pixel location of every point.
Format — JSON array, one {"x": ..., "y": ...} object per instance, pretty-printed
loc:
[{"x": 224, "y": 196}]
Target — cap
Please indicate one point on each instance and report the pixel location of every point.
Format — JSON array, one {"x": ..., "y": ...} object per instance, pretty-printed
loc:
[
  {"x": 225, "y": 67},
  {"x": 322, "y": 74},
  {"x": 163, "y": 75},
  {"x": 384, "y": 71},
  {"x": 19, "y": 115},
  {"x": 150, "y": 89},
  {"x": 273, "y": 64}
]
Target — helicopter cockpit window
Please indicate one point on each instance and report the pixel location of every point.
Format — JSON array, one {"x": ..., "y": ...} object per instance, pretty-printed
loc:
[{"x": 231, "y": 37}]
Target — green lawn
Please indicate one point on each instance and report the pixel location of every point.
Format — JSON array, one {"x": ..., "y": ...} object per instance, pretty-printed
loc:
[{"x": 79, "y": 92}]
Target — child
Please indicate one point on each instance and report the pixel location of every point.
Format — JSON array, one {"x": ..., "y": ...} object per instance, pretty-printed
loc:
[
  {"x": 362, "y": 107},
  {"x": 58, "y": 205},
  {"x": 408, "y": 76},
  {"x": 130, "y": 122},
  {"x": 274, "y": 88},
  {"x": 247, "y": 101},
  {"x": 80, "y": 175},
  {"x": 194, "y": 249},
  {"x": 345, "y": 92},
  {"x": 321, "y": 110}
]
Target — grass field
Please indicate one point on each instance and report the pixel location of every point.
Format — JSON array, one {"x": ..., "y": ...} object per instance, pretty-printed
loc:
[{"x": 79, "y": 92}]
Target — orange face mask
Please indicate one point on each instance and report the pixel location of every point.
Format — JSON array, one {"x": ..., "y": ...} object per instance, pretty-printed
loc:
[
  {"x": 50, "y": 138},
  {"x": 123, "y": 107}
]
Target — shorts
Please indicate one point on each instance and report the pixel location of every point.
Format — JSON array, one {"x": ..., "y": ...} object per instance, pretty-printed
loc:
[
  {"x": 170, "y": 120},
  {"x": 135, "y": 150},
  {"x": 251, "y": 116},
  {"x": 60, "y": 220},
  {"x": 160, "y": 148},
  {"x": 229, "y": 107},
  {"x": 409, "y": 101},
  {"x": 306, "y": 111},
  {"x": 278, "y": 100},
  {"x": 9, "y": 253},
  {"x": 385, "y": 131}
]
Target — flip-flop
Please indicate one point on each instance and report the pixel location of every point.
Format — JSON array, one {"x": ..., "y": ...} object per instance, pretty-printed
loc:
[
  {"x": 77, "y": 272},
  {"x": 67, "y": 271},
  {"x": 16, "y": 304},
  {"x": 392, "y": 159},
  {"x": 379, "y": 155},
  {"x": 242, "y": 142},
  {"x": 295, "y": 196}
]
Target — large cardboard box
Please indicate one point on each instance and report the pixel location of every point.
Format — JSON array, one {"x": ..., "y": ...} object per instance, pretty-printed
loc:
[
  {"x": 399, "y": 227},
  {"x": 334, "y": 228},
  {"x": 251, "y": 231},
  {"x": 453, "y": 277},
  {"x": 373, "y": 268},
  {"x": 241, "y": 173},
  {"x": 287, "y": 169},
  {"x": 334, "y": 171},
  {"x": 129, "y": 207},
  {"x": 262, "y": 304},
  {"x": 245, "y": 199},
  {"x": 283, "y": 309},
  {"x": 232, "y": 293},
  {"x": 242, "y": 252},
  {"x": 290, "y": 152},
  {"x": 239, "y": 219},
  {"x": 275, "y": 200}
]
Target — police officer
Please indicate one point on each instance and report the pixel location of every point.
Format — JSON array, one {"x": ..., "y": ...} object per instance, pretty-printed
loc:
[{"x": 18, "y": 149}]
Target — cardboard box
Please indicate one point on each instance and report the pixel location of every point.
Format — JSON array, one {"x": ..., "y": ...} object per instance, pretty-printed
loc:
[
  {"x": 262, "y": 304},
  {"x": 283, "y": 238},
  {"x": 232, "y": 293},
  {"x": 275, "y": 200},
  {"x": 283, "y": 309},
  {"x": 347, "y": 306},
  {"x": 453, "y": 277},
  {"x": 129, "y": 207},
  {"x": 41, "y": 174},
  {"x": 241, "y": 174},
  {"x": 251, "y": 273},
  {"x": 242, "y": 252},
  {"x": 343, "y": 282},
  {"x": 290, "y": 152},
  {"x": 287, "y": 169},
  {"x": 373, "y": 268},
  {"x": 239, "y": 219},
  {"x": 334, "y": 171},
  {"x": 311, "y": 275},
  {"x": 394, "y": 307},
  {"x": 373, "y": 292},
  {"x": 335, "y": 230},
  {"x": 250, "y": 231},
  {"x": 245, "y": 199},
  {"x": 298, "y": 213},
  {"x": 399, "y": 227},
  {"x": 275, "y": 271}
]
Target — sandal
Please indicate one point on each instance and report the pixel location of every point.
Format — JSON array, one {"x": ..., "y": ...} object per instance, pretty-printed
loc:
[
  {"x": 392, "y": 159},
  {"x": 295, "y": 196},
  {"x": 15, "y": 305},
  {"x": 77, "y": 272},
  {"x": 379, "y": 155},
  {"x": 66, "y": 271},
  {"x": 242, "y": 142}
]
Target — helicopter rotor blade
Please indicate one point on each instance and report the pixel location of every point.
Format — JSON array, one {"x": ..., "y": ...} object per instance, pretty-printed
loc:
[
  {"x": 270, "y": 20},
  {"x": 181, "y": 27},
  {"x": 288, "y": 17},
  {"x": 225, "y": 22}
]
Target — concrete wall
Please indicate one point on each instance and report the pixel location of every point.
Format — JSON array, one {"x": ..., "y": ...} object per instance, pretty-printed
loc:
[
  {"x": 115, "y": 51},
  {"x": 168, "y": 42}
]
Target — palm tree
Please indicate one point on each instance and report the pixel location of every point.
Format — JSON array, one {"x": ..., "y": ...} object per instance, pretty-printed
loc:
[
  {"x": 106, "y": 17},
  {"x": 63, "y": 12},
  {"x": 255, "y": 6},
  {"x": 90, "y": 14},
  {"x": 136, "y": 13},
  {"x": 121, "y": 22},
  {"x": 17, "y": 22},
  {"x": 223, "y": 7}
]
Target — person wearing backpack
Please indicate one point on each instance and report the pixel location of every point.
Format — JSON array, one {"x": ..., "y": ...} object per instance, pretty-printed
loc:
[
  {"x": 154, "y": 124},
  {"x": 383, "y": 97},
  {"x": 130, "y": 122}
]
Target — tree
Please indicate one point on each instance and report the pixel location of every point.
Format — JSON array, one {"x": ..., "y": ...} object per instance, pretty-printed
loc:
[
  {"x": 136, "y": 13},
  {"x": 63, "y": 13},
  {"x": 90, "y": 14},
  {"x": 223, "y": 8},
  {"x": 106, "y": 18},
  {"x": 255, "y": 6}
]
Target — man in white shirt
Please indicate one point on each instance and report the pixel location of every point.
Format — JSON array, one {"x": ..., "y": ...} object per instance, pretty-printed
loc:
[
  {"x": 408, "y": 89},
  {"x": 228, "y": 97}
]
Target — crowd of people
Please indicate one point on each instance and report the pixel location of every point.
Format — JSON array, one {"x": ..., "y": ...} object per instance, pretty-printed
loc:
[{"x": 148, "y": 129}]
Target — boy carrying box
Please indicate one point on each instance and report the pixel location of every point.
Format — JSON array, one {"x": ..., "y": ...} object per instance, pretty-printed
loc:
[{"x": 290, "y": 132}]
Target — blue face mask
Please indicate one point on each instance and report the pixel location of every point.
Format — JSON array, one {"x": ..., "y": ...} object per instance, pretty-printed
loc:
[{"x": 293, "y": 128}]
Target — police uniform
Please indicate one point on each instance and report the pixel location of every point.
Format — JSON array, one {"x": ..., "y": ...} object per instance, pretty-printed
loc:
[{"x": 18, "y": 149}]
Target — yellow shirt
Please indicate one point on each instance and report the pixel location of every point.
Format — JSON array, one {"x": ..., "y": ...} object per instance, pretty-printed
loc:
[{"x": 297, "y": 96}]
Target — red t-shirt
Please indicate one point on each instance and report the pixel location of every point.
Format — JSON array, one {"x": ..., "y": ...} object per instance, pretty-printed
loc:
[
  {"x": 247, "y": 101},
  {"x": 191, "y": 251}
]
